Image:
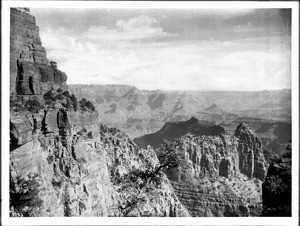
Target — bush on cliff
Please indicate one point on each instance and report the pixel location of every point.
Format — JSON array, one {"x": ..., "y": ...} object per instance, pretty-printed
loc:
[
  {"x": 68, "y": 101},
  {"x": 74, "y": 102},
  {"x": 66, "y": 94},
  {"x": 276, "y": 190},
  {"x": 170, "y": 155},
  {"x": 90, "y": 105},
  {"x": 16, "y": 103},
  {"x": 67, "y": 104},
  {"x": 49, "y": 95},
  {"x": 136, "y": 186},
  {"x": 24, "y": 198},
  {"x": 139, "y": 183},
  {"x": 33, "y": 105},
  {"x": 86, "y": 104},
  {"x": 59, "y": 96},
  {"x": 59, "y": 90}
]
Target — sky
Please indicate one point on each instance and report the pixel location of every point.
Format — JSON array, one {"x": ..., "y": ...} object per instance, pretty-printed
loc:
[{"x": 171, "y": 49}]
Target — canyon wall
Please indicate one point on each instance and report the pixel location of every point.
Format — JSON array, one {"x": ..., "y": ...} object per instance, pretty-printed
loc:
[
  {"x": 139, "y": 112},
  {"x": 76, "y": 177},
  {"x": 221, "y": 175},
  {"x": 31, "y": 72},
  {"x": 62, "y": 161}
]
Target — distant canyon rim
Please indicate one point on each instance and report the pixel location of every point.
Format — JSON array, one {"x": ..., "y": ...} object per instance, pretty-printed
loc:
[{"x": 117, "y": 151}]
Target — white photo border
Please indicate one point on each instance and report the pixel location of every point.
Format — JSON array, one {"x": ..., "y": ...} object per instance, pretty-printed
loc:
[{"x": 5, "y": 78}]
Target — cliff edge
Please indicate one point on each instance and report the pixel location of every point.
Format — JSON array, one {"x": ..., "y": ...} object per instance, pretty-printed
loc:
[{"x": 62, "y": 161}]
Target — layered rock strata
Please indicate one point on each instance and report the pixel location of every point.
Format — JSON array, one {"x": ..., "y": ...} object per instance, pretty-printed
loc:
[
  {"x": 31, "y": 73},
  {"x": 76, "y": 178},
  {"x": 221, "y": 175},
  {"x": 62, "y": 162}
]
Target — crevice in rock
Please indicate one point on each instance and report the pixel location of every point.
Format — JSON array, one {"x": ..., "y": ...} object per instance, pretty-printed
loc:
[
  {"x": 13, "y": 138},
  {"x": 44, "y": 125},
  {"x": 67, "y": 209},
  {"x": 34, "y": 125},
  {"x": 73, "y": 153},
  {"x": 85, "y": 189},
  {"x": 81, "y": 208}
]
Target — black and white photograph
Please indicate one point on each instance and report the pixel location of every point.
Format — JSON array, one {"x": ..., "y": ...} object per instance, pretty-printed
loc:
[{"x": 147, "y": 109}]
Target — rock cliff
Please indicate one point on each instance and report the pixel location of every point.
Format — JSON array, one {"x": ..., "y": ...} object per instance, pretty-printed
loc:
[
  {"x": 75, "y": 175},
  {"x": 31, "y": 73},
  {"x": 62, "y": 161},
  {"x": 221, "y": 175},
  {"x": 277, "y": 187},
  {"x": 172, "y": 130},
  {"x": 146, "y": 111}
]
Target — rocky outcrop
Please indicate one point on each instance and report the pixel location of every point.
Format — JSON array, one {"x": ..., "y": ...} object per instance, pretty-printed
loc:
[
  {"x": 62, "y": 162},
  {"x": 213, "y": 200},
  {"x": 251, "y": 158},
  {"x": 24, "y": 126},
  {"x": 76, "y": 178},
  {"x": 276, "y": 189},
  {"x": 172, "y": 130},
  {"x": 157, "y": 107},
  {"x": 31, "y": 73},
  {"x": 156, "y": 100},
  {"x": 215, "y": 178}
]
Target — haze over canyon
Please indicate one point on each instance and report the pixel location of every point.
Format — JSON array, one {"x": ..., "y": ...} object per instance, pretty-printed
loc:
[{"x": 213, "y": 140}]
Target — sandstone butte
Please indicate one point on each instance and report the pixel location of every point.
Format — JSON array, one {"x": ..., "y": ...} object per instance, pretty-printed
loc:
[{"x": 64, "y": 162}]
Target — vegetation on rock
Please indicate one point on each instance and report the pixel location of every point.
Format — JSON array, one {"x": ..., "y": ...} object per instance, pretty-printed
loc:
[
  {"x": 86, "y": 105},
  {"x": 276, "y": 190},
  {"x": 67, "y": 101},
  {"x": 33, "y": 105},
  {"x": 24, "y": 198},
  {"x": 16, "y": 103}
]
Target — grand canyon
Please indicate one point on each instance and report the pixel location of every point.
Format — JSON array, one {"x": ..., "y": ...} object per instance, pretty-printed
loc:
[{"x": 117, "y": 150}]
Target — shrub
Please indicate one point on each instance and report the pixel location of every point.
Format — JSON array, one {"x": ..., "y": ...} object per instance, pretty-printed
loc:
[
  {"x": 276, "y": 189},
  {"x": 74, "y": 102},
  {"x": 75, "y": 107},
  {"x": 86, "y": 104},
  {"x": 138, "y": 183},
  {"x": 169, "y": 155},
  {"x": 73, "y": 98},
  {"x": 59, "y": 96},
  {"x": 49, "y": 102},
  {"x": 66, "y": 94},
  {"x": 89, "y": 105},
  {"x": 59, "y": 90},
  {"x": 82, "y": 102},
  {"x": 33, "y": 105},
  {"x": 49, "y": 96},
  {"x": 16, "y": 103},
  {"x": 24, "y": 199},
  {"x": 67, "y": 105}
]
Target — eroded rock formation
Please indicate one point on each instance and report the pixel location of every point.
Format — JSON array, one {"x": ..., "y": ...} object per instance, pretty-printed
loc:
[
  {"x": 31, "y": 73},
  {"x": 62, "y": 162},
  {"x": 222, "y": 175},
  {"x": 252, "y": 161},
  {"x": 76, "y": 177}
]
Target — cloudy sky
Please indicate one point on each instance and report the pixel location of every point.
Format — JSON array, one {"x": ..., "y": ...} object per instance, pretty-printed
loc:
[{"x": 170, "y": 49}]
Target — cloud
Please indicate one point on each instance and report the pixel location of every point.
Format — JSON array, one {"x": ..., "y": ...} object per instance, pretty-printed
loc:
[
  {"x": 135, "y": 52},
  {"x": 133, "y": 29},
  {"x": 141, "y": 22}
]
